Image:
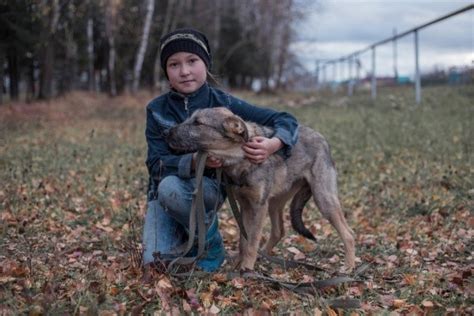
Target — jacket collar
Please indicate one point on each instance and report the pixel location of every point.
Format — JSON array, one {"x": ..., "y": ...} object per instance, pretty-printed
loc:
[{"x": 200, "y": 94}]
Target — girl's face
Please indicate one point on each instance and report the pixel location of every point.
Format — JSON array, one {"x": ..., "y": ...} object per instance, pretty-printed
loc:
[{"x": 187, "y": 72}]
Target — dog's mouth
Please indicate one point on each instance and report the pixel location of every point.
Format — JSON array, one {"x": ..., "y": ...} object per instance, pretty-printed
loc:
[
  {"x": 179, "y": 148},
  {"x": 182, "y": 147}
]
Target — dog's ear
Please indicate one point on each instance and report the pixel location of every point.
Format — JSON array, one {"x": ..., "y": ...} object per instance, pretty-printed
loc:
[{"x": 235, "y": 128}]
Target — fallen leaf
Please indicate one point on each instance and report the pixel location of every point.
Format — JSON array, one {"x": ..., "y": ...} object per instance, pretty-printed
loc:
[
  {"x": 386, "y": 300},
  {"x": 409, "y": 279},
  {"x": 398, "y": 303},
  {"x": 392, "y": 258},
  {"x": 206, "y": 298},
  {"x": 294, "y": 250},
  {"x": 331, "y": 312},
  {"x": 164, "y": 298},
  {"x": 186, "y": 307},
  {"x": 6, "y": 279},
  {"x": 219, "y": 278},
  {"x": 114, "y": 291},
  {"x": 165, "y": 283},
  {"x": 104, "y": 228},
  {"x": 192, "y": 299},
  {"x": 238, "y": 283},
  {"x": 214, "y": 309},
  {"x": 427, "y": 304}
]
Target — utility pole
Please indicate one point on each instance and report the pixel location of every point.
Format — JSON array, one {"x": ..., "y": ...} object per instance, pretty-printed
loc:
[
  {"x": 374, "y": 79},
  {"x": 417, "y": 71}
]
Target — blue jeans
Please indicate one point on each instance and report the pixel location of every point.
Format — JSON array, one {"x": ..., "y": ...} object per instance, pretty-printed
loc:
[{"x": 167, "y": 217}]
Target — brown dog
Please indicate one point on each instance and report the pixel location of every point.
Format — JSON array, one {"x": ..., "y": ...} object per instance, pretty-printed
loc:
[{"x": 265, "y": 188}]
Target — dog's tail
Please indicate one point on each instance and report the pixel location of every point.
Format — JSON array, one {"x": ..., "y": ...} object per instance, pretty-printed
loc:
[{"x": 296, "y": 212}]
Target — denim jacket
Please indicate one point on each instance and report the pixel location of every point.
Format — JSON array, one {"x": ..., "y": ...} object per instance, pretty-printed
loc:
[{"x": 173, "y": 108}]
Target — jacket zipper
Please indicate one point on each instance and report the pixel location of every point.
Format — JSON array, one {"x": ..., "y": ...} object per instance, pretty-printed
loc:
[{"x": 186, "y": 105}]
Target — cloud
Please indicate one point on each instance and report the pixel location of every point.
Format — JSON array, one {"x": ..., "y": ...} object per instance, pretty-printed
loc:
[{"x": 342, "y": 27}]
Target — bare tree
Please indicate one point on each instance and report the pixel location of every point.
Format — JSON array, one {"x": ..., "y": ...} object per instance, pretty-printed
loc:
[
  {"x": 1, "y": 75},
  {"x": 41, "y": 41},
  {"x": 217, "y": 25},
  {"x": 50, "y": 20},
  {"x": 143, "y": 45},
  {"x": 284, "y": 40},
  {"x": 70, "y": 59},
  {"x": 111, "y": 9},
  {"x": 169, "y": 23},
  {"x": 13, "y": 72},
  {"x": 90, "y": 48}
]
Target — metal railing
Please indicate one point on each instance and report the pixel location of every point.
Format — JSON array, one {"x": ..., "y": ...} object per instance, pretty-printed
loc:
[{"x": 353, "y": 58}]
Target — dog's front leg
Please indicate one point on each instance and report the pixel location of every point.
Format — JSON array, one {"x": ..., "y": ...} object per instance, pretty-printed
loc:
[{"x": 253, "y": 217}]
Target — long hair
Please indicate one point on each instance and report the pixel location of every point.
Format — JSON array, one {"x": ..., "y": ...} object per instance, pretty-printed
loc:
[{"x": 212, "y": 79}]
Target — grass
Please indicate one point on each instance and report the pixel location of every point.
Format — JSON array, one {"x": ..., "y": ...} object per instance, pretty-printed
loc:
[{"x": 73, "y": 191}]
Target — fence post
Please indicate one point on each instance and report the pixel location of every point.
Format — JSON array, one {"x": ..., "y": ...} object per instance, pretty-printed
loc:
[
  {"x": 350, "y": 84},
  {"x": 342, "y": 70},
  {"x": 374, "y": 80},
  {"x": 395, "y": 65},
  {"x": 323, "y": 77},
  {"x": 358, "y": 65},
  {"x": 417, "y": 71},
  {"x": 317, "y": 75}
]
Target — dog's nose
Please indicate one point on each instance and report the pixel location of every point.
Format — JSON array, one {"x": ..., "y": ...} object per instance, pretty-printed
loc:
[{"x": 166, "y": 133}]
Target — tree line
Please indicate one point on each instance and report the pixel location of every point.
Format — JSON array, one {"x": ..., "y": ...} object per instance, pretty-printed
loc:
[{"x": 49, "y": 47}]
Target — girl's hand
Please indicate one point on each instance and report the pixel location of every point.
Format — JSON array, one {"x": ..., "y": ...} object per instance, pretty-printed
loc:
[
  {"x": 259, "y": 148},
  {"x": 211, "y": 162}
]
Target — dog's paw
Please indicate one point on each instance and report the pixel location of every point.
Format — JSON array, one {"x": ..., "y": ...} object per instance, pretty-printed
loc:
[
  {"x": 246, "y": 272},
  {"x": 346, "y": 270}
]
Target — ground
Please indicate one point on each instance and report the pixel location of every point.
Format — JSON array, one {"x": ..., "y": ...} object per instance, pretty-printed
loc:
[{"x": 72, "y": 203}]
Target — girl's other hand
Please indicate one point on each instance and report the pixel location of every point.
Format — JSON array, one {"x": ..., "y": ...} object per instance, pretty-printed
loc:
[
  {"x": 259, "y": 148},
  {"x": 213, "y": 162}
]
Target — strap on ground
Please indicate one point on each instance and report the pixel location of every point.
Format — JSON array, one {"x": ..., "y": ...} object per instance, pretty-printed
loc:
[{"x": 196, "y": 219}]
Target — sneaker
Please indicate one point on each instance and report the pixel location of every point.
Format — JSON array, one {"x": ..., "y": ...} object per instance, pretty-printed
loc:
[{"x": 214, "y": 251}]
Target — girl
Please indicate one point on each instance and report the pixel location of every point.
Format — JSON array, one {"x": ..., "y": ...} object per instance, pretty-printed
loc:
[{"x": 185, "y": 59}]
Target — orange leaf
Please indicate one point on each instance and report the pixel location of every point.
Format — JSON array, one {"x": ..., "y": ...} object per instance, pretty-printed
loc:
[
  {"x": 219, "y": 278},
  {"x": 114, "y": 291},
  {"x": 331, "y": 312},
  {"x": 238, "y": 283},
  {"x": 398, "y": 303},
  {"x": 409, "y": 279}
]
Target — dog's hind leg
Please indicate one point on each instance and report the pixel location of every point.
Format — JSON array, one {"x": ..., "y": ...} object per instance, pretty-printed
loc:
[{"x": 324, "y": 189}]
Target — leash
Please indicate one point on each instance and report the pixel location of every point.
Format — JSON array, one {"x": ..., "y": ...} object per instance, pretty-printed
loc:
[
  {"x": 196, "y": 219},
  {"x": 234, "y": 206}
]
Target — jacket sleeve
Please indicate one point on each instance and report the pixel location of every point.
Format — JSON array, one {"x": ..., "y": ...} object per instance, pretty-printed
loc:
[
  {"x": 159, "y": 157},
  {"x": 284, "y": 124}
]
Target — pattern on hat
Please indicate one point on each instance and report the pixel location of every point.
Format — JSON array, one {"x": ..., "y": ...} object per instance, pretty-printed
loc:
[{"x": 185, "y": 40}]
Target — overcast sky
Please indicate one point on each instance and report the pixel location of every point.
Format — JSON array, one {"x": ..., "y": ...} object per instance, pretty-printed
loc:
[{"x": 336, "y": 28}]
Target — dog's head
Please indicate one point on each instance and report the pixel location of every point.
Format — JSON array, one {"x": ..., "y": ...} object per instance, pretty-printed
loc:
[{"x": 213, "y": 130}]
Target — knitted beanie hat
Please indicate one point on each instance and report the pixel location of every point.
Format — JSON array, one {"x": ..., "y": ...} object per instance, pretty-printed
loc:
[{"x": 185, "y": 40}]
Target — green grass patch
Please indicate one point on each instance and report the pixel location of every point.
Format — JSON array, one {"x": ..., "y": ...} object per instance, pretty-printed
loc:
[{"x": 73, "y": 192}]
